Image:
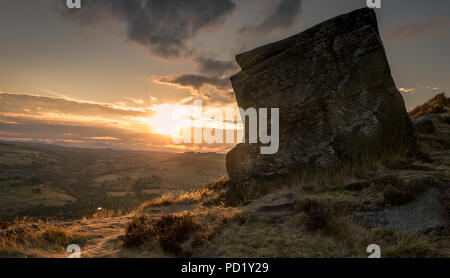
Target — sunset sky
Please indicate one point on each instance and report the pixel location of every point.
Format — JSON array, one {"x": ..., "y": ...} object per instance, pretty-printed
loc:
[{"x": 109, "y": 74}]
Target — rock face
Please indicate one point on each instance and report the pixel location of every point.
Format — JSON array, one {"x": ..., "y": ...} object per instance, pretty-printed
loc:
[
  {"x": 337, "y": 99},
  {"x": 424, "y": 124}
]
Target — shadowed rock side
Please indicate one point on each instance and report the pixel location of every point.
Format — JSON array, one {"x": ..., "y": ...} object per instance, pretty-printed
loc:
[{"x": 337, "y": 99}]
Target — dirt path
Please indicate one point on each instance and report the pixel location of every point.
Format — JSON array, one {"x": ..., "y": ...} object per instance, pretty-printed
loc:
[{"x": 105, "y": 236}]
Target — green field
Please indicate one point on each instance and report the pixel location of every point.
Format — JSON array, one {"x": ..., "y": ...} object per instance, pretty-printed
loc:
[
  {"x": 15, "y": 199},
  {"x": 73, "y": 183}
]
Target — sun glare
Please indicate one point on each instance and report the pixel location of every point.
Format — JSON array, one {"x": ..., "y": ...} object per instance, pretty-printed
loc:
[{"x": 169, "y": 119}]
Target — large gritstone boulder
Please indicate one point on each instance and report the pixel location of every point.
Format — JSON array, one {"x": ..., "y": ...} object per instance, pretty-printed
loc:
[{"x": 336, "y": 97}]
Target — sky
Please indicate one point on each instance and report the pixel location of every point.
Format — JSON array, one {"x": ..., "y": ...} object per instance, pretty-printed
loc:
[{"x": 109, "y": 74}]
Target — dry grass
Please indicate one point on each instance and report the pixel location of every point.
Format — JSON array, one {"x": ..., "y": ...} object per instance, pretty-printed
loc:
[
  {"x": 208, "y": 194},
  {"x": 104, "y": 213},
  {"x": 171, "y": 232},
  {"x": 176, "y": 235},
  {"x": 318, "y": 179},
  {"x": 317, "y": 215},
  {"x": 398, "y": 192},
  {"x": 339, "y": 238},
  {"x": 139, "y": 231},
  {"x": 5, "y": 224},
  {"x": 38, "y": 241}
]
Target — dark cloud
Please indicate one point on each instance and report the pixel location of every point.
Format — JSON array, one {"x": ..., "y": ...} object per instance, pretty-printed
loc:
[
  {"x": 282, "y": 17},
  {"x": 211, "y": 66},
  {"x": 197, "y": 83},
  {"x": 163, "y": 26},
  {"x": 410, "y": 32}
]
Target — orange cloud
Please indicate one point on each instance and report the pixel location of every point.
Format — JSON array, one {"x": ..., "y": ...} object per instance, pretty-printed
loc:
[
  {"x": 32, "y": 118},
  {"x": 102, "y": 138}
]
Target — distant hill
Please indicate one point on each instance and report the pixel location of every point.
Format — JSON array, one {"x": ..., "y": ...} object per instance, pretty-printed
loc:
[{"x": 74, "y": 182}]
